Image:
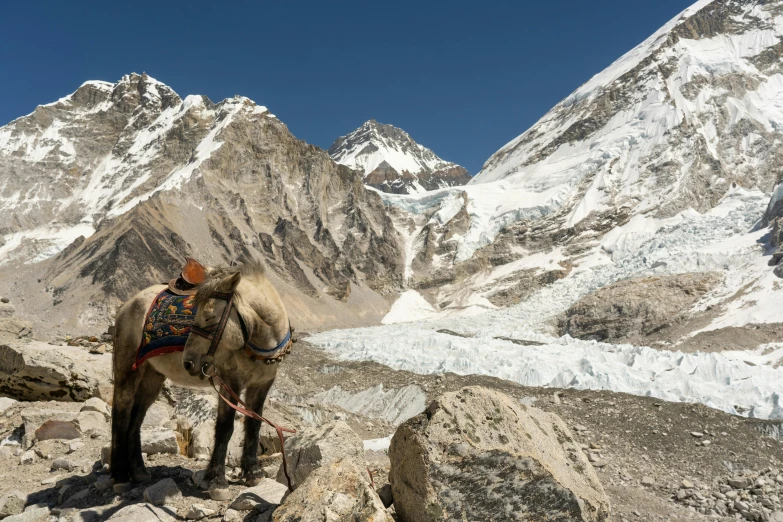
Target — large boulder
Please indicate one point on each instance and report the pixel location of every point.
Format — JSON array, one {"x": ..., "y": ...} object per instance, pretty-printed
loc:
[
  {"x": 633, "y": 308},
  {"x": 312, "y": 448},
  {"x": 34, "y": 371},
  {"x": 479, "y": 455},
  {"x": 339, "y": 491}
]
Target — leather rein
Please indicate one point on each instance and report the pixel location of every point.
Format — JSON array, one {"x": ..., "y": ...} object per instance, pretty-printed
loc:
[{"x": 214, "y": 333}]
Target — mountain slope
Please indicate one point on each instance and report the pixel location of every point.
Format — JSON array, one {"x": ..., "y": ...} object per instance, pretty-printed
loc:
[
  {"x": 687, "y": 121},
  {"x": 158, "y": 178},
  {"x": 392, "y": 162}
]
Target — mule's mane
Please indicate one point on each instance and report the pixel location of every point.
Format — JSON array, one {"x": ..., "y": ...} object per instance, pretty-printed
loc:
[{"x": 248, "y": 268}]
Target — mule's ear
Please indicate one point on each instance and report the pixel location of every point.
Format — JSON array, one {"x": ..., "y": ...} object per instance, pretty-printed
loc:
[{"x": 230, "y": 283}]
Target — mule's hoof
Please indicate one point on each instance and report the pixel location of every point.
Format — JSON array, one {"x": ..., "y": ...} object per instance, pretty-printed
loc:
[
  {"x": 122, "y": 487},
  {"x": 220, "y": 494},
  {"x": 253, "y": 481}
]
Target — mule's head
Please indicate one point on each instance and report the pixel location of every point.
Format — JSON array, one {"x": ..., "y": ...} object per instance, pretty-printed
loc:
[{"x": 211, "y": 304}]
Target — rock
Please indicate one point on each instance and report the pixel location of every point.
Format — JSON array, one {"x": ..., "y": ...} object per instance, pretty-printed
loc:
[
  {"x": 697, "y": 434},
  {"x": 143, "y": 513},
  {"x": 50, "y": 480},
  {"x": 163, "y": 492},
  {"x": 262, "y": 496},
  {"x": 337, "y": 491},
  {"x": 75, "y": 446},
  {"x": 12, "y": 504},
  {"x": 34, "y": 418},
  {"x": 686, "y": 484},
  {"x": 12, "y": 329},
  {"x": 39, "y": 514},
  {"x": 4, "y": 300},
  {"x": 62, "y": 463},
  {"x": 312, "y": 448},
  {"x": 28, "y": 457},
  {"x": 385, "y": 494},
  {"x": 739, "y": 482},
  {"x": 91, "y": 422},
  {"x": 35, "y": 371},
  {"x": 6, "y": 402},
  {"x": 197, "y": 512},
  {"x": 54, "y": 429},
  {"x": 231, "y": 515},
  {"x": 778, "y": 271},
  {"x": 96, "y": 404},
  {"x": 633, "y": 308},
  {"x": 483, "y": 453},
  {"x": 202, "y": 441},
  {"x": 647, "y": 481},
  {"x": 157, "y": 415},
  {"x": 159, "y": 441}
]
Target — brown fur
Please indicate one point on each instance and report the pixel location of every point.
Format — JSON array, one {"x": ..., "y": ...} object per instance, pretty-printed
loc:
[{"x": 262, "y": 310}]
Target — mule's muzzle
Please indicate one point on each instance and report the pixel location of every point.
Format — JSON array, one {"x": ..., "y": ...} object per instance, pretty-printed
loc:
[
  {"x": 191, "y": 367},
  {"x": 207, "y": 368}
]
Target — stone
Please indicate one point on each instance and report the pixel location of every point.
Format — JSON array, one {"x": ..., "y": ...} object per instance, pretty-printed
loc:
[
  {"x": 62, "y": 463},
  {"x": 12, "y": 504},
  {"x": 38, "y": 514},
  {"x": 632, "y": 308},
  {"x": 162, "y": 493},
  {"x": 96, "y": 404},
  {"x": 159, "y": 441},
  {"x": 336, "y": 491},
  {"x": 157, "y": 415},
  {"x": 647, "y": 481},
  {"x": 697, "y": 434},
  {"x": 197, "y": 512},
  {"x": 262, "y": 496},
  {"x": 34, "y": 418},
  {"x": 482, "y": 453},
  {"x": 313, "y": 447},
  {"x": 28, "y": 457},
  {"x": 54, "y": 429},
  {"x": 143, "y": 513},
  {"x": 75, "y": 446},
  {"x": 686, "y": 484},
  {"x": 35, "y": 371},
  {"x": 231, "y": 515},
  {"x": 4, "y": 300},
  {"x": 778, "y": 271},
  {"x": 92, "y": 422},
  {"x": 739, "y": 482},
  {"x": 202, "y": 442},
  {"x": 6, "y": 402}
]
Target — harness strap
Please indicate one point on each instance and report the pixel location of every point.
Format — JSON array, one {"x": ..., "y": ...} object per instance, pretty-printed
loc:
[
  {"x": 221, "y": 326},
  {"x": 244, "y": 409}
]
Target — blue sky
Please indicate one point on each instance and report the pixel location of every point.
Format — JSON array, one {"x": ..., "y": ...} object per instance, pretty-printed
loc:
[{"x": 463, "y": 78}]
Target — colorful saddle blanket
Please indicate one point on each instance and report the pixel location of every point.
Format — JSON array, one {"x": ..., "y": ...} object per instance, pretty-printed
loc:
[{"x": 167, "y": 325}]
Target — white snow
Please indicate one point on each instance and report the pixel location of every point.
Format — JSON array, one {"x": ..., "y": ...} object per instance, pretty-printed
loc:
[
  {"x": 410, "y": 306},
  {"x": 378, "y": 444},
  {"x": 722, "y": 239}
]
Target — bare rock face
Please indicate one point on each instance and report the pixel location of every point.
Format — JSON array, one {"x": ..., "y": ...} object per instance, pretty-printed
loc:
[
  {"x": 35, "y": 371},
  {"x": 480, "y": 455},
  {"x": 635, "y": 307},
  {"x": 312, "y": 448},
  {"x": 339, "y": 491}
]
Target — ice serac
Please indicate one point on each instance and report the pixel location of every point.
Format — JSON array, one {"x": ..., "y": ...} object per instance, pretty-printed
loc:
[
  {"x": 392, "y": 162},
  {"x": 106, "y": 190}
]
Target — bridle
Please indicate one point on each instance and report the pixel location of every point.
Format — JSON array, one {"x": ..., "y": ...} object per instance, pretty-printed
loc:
[{"x": 214, "y": 333}]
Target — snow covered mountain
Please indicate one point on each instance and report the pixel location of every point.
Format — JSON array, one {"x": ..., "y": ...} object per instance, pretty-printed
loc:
[
  {"x": 666, "y": 167},
  {"x": 106, "y": 190},
  {"x": 392, "y": 162}
]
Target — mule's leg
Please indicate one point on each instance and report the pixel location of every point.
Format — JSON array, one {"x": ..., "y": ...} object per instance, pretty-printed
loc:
[
  {"x": 146, "y": 393},
  {"x": 124, "y": 389},
  {"x": 255, "y": 396},
  {"x": 215, "y": 477}
]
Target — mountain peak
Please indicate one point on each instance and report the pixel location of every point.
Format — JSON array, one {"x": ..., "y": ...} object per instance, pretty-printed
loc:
[{"x": 392, "y": 161}]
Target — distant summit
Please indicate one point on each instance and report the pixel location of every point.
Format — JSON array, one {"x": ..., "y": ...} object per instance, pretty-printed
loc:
[{"x": 392, "y": 162}]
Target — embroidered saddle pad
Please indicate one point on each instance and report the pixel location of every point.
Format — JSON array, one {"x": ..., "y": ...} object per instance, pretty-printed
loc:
[{"x": 167, "y": 325}]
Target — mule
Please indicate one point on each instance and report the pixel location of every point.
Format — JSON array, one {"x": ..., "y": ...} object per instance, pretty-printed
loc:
[{"x": 250, "y": 319}]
